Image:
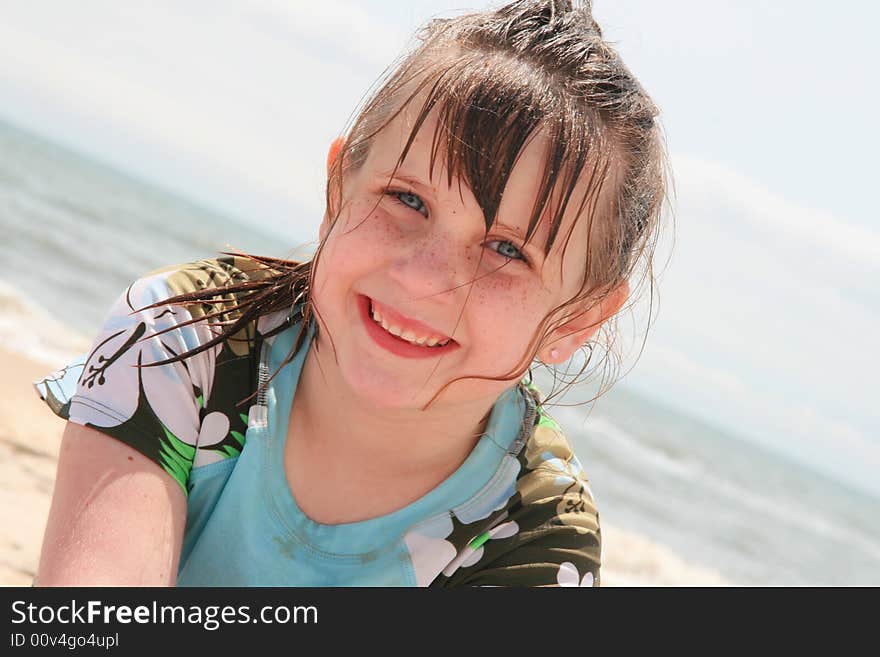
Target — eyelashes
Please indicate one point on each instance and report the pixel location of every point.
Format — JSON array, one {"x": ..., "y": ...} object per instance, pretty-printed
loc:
[
  {"x": 413, "y": 201},
  {"x": 399, "y": 197}
]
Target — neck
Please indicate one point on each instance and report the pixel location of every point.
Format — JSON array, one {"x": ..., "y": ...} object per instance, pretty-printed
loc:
[{"x": 333, "y": 422}]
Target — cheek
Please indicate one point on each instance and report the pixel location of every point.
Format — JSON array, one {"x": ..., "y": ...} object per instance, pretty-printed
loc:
[
  {"x": 359, "y": 237},
  {"x": 507, "y": 310}
]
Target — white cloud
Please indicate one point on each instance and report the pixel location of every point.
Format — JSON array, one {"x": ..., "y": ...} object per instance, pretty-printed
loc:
[
  {"x": 123, "y": 103},
  {"x": 767, "y": 211},
  {"x": 344, "y": 27}
]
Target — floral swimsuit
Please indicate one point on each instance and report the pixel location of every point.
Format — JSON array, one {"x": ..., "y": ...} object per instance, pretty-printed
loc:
[{"x": 517, "y": 512}]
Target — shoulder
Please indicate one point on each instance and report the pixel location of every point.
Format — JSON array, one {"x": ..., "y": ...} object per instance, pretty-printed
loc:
[
  {"x": 180, "y": 413},
  {"x": 551, "y": 470},
  {"x": 212, "y": 272},
  {"x": 210, "y": 286},
  {"x": 207, "y": 277},
  {"x": 545, "y": 533}
]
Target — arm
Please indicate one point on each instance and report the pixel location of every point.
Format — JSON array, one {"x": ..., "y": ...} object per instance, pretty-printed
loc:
[
  {"x": 119, "y": 507},
  {"x": 135, "y": 432},
  {"x": 117, "y": 518}
]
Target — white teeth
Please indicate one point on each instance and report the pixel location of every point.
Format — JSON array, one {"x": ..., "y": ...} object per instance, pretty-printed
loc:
[{"x": 409, "y": 336}]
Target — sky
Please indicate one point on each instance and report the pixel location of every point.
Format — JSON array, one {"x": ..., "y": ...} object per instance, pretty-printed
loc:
[{"x": 769, "y": 303}]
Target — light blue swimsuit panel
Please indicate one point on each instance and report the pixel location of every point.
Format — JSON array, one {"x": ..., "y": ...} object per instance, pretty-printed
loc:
[{"x": 244, "y": 527}]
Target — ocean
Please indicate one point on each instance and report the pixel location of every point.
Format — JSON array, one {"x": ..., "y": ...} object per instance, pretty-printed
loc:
[{"x": 75, "y": 233}]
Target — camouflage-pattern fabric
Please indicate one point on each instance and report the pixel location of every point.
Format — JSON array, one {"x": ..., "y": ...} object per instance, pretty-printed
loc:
[{"x": 535, "y": 525}]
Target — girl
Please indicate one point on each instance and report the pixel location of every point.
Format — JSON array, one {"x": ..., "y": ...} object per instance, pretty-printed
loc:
[{"x": 362, "y": 418}]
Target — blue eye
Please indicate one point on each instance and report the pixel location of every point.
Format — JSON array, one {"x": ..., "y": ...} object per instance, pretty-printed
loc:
[
  {"x": 413, "y": 201},
  {"x": 513, "y": 252},
  {"x": 410, "y": 200}
]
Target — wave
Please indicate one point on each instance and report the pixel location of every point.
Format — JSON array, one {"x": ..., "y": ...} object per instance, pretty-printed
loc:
[
  {"x": 651, "y": 456},
  {"x": 629, "y": 559},
  {"x": 27, "y": 328}
]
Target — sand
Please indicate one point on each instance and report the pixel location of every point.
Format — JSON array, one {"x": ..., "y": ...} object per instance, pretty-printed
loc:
[{"x": 29, "y": 439}]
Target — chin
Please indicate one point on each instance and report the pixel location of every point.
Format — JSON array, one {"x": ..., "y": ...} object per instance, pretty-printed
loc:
[{"x": 387, "y": 392}]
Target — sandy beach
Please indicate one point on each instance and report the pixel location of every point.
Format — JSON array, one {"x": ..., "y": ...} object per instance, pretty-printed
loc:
[
  {"x": 30, "y": 436},
  {"x": 29, "y": 439}
]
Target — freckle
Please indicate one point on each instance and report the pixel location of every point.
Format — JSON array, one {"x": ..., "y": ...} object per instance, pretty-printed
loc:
[{"x": 131, "y": 458}]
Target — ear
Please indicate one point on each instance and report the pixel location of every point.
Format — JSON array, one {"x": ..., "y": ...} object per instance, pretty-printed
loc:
[
  {"x": 335, "y": 148},
  {"x": 572, "y": 335}
]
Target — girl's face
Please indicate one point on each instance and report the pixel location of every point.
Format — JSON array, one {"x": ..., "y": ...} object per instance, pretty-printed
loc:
[{"x": 414, "y": 253}]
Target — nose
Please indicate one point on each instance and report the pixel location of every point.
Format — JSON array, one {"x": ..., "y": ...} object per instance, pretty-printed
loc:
[{"x": 428, "y": 271}]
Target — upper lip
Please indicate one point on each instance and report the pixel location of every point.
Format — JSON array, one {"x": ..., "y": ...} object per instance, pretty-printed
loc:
[{"x": 406, "y": 323}]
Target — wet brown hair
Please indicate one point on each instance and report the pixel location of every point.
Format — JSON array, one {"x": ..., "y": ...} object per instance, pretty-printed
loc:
[{"x": 495, "y": 78}]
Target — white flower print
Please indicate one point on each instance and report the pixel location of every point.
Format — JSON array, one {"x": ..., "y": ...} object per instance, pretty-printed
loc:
[
  {"x": 214, "y": 429},
  {"x": 473, "y": 551},
  {"x": 108, "y": 393},
  {"x": 428, "y": 548},
  {"x": 270, "y": 322},
  {"x": 567, "y": 472},
  {"x": 568, "y": 575}
]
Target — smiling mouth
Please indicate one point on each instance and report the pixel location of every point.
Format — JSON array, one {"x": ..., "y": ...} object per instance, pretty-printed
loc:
[{"x": 427, "y": 340}]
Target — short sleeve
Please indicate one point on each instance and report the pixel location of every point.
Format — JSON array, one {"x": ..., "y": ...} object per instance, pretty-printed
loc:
[
  {"x": 156, "y": 410},
  {"x": 551, "y": 538}
]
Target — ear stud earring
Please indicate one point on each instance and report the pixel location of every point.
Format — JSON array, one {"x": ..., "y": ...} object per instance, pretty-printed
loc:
[{"x": 554, "y": 353}]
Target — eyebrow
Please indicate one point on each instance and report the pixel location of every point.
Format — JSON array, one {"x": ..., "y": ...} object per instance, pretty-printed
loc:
[
  {"x": 418, "y": 181},
  {"x": 414, "y": 180},
  {"x": 516, "y": 230}
]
